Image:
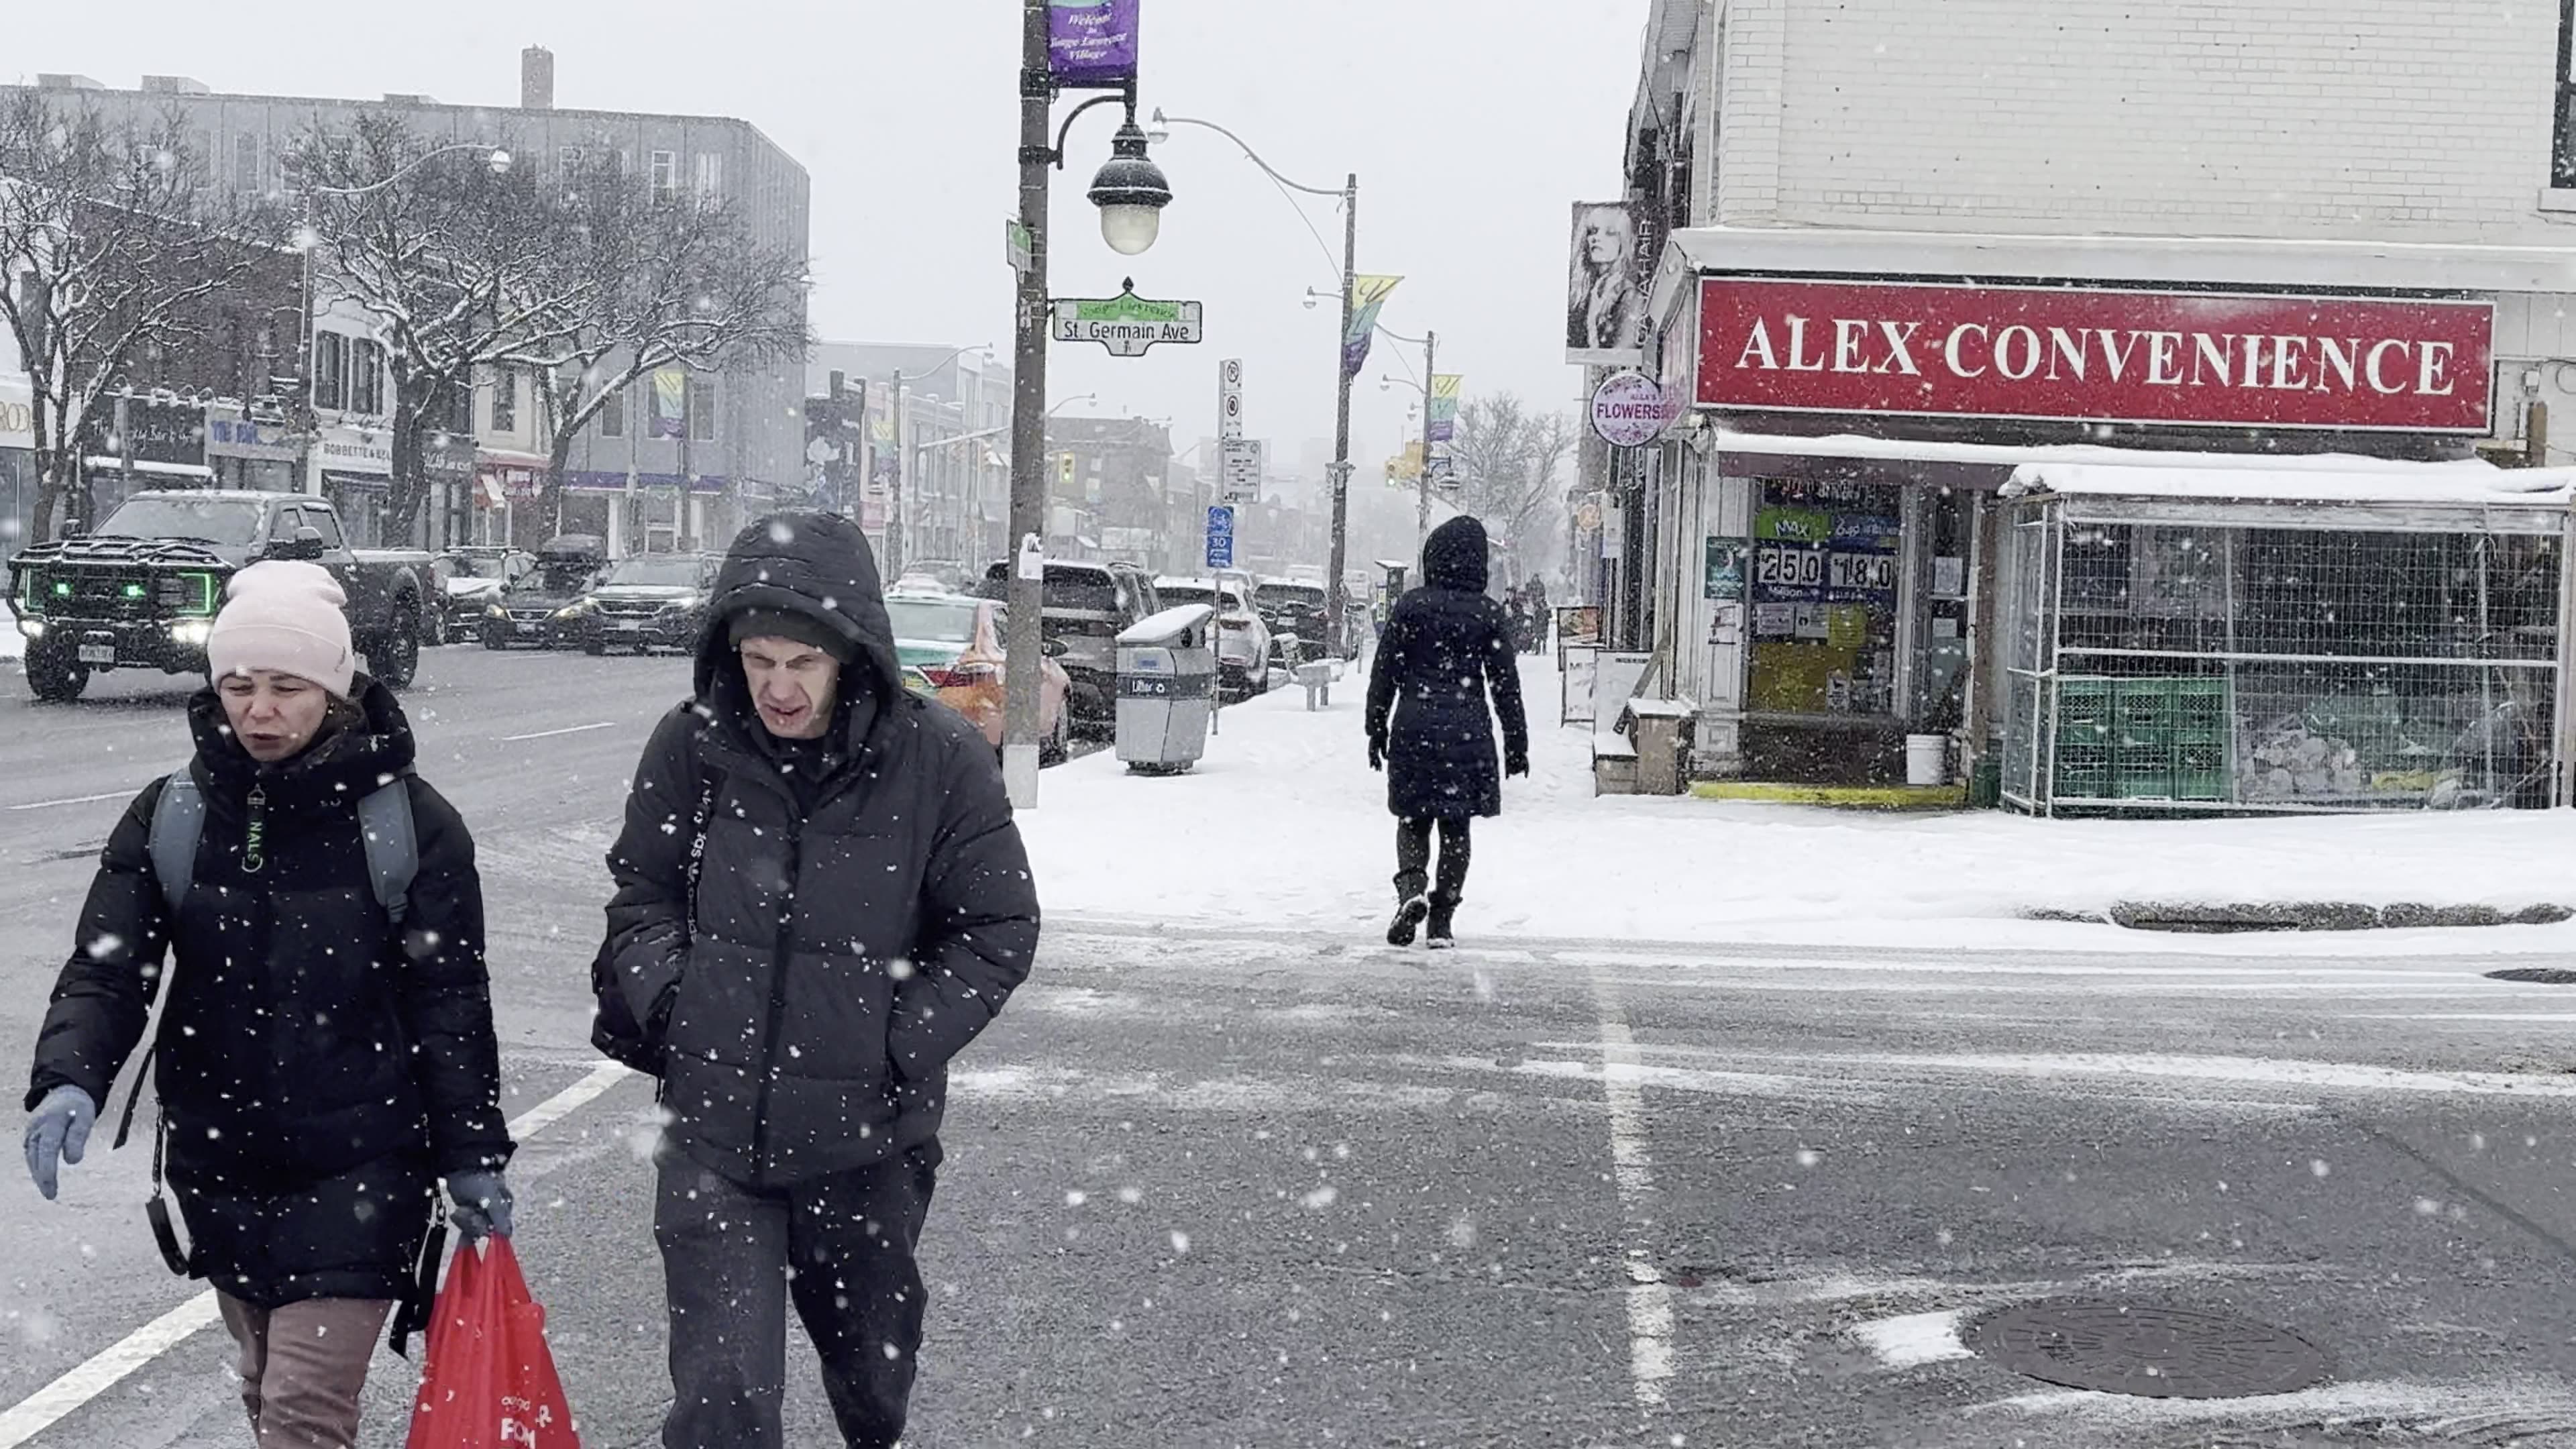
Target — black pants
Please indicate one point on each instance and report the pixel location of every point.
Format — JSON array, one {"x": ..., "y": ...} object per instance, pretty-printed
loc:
[
  {"x": 841, "y": 1247},
  {"x": 1413, "y": 858}
]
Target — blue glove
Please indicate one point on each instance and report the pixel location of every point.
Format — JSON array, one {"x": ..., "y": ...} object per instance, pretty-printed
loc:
[
  {"x": 482, "y": 1204},
  {"x": 57, "y": 1132}
]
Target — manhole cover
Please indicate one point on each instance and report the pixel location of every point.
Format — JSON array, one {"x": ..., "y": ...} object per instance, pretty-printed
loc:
[
  {"x": 2161, "y": 1353},
  {"x": 2538, "y": 975}
]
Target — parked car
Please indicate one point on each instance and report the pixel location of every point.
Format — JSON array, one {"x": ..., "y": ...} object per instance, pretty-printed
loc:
[
  {"x": 1295, "y": 613},
  {"x": 536, "y": 610},
  {"x": 472, "y": 580},
  {"x": 1088, "y": 605},
  {"x": 1242, "y": 639},
  {"x": 954, "y": 644},
  {"x": 645, "y": 602},
  {"x": 141, "y": 591},
  {"x": 946, "y": 576}
]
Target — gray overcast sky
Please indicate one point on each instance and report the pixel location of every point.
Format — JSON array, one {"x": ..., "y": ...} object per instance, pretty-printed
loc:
[{"x": 1473, "y": 124}]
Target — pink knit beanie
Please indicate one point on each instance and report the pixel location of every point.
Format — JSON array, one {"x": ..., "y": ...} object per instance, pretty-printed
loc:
[{"x": 284, "y": 616}]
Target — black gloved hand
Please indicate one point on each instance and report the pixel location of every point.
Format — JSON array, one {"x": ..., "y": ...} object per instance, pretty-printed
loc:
[
  {"x": 1377, "y": 752},
  {"x": 482, "y": 1204},
  {"x": 1516, "y": 762}
]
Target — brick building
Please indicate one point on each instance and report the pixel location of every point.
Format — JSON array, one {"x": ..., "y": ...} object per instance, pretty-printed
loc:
[{"x": 1890, "y": 252}]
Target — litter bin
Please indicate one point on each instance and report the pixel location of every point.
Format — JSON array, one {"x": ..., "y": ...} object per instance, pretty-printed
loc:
[
  {"x": 1662, "y": 730},
  {"x": 1166, "y": 690}
]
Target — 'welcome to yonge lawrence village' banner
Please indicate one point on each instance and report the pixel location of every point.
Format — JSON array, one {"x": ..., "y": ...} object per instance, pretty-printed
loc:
[{"x": 2090, "y": 354}]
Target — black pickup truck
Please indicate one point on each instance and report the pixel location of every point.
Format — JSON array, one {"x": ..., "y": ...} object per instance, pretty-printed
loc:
[{"x": 142, "y": 590}]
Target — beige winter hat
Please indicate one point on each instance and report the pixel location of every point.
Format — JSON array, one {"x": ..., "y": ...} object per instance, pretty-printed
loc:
[{"x": 284, "y": 616}]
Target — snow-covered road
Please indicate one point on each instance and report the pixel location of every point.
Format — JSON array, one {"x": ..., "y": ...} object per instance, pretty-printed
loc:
[{"x": 1284, "y": 826}]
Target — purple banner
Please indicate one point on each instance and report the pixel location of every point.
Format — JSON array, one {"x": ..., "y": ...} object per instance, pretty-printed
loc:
[{"x": 1092, "y": 42}]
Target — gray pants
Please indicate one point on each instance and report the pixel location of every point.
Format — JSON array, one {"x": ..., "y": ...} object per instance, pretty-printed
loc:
[{"x": 841, "y": 1247}]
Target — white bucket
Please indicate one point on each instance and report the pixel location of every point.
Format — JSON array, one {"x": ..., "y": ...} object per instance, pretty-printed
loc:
[{"x": 1927, "y": 759}]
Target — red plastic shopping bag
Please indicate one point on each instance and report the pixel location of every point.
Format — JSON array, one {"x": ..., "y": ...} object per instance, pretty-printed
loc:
[{"x": 488, "y": 1381}]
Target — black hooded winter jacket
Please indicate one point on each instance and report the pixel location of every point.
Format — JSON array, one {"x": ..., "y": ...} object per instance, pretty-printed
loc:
[
  {"x": 1444, "y": 646},
  {"x": 835, "y": 957},
  {"x": 315, "y": 1071}
]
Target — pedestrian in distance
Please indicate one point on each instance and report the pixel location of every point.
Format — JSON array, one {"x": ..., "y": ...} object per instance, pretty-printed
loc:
[
  {"x": 821, "y": 900},
  {"x": 1446, "y": 651},
  {"x": 307, "y": 908}
]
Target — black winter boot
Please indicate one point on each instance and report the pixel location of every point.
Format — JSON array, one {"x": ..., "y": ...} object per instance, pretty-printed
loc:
[
  {"x": 1442, "y": 908},
  {"x": 1408, "y": 916}
]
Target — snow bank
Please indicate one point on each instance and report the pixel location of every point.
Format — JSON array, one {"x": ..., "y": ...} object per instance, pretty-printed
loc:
[
  {"x": 1284, "y": 826},
  {"x": 13, "y": 645}
]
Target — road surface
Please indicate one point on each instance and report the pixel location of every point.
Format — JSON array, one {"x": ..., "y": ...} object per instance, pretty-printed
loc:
[{"x": 1211, "y": 1186}]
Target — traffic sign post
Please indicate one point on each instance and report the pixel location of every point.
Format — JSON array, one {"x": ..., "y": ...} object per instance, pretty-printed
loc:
[
  {"x": 1220, "y": 537},
  {"x": 1229, "y": 398},
  {"x": 1242, "y": 464}
]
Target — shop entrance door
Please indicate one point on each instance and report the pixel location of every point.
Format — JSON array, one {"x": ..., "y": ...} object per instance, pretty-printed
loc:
[{"x": 1828, "y": 560}]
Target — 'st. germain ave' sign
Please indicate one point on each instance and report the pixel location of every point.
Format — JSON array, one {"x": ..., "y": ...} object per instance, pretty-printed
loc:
[{"x": 2096, "y": 355}]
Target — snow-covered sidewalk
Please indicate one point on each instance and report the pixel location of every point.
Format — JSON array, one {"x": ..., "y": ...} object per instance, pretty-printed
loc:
[{"x": 1283, "y": 826}]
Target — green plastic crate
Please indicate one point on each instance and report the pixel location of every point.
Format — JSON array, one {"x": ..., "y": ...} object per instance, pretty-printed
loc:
[
  {"x": 2200, "y": 771},
  {"x": 2200, "y": 711},
  {"x": 2143, "y": 775},
  {"x": 2145, "y": 709},
  {"x": 2083, "y": 772}
]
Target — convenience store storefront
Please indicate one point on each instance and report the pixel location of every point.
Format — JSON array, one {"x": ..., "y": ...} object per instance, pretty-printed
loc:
[{"x": 1822, "y": 579}]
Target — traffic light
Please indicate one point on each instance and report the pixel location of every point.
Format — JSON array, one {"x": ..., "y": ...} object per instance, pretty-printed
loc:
[{"x": 1064, "y": 472}]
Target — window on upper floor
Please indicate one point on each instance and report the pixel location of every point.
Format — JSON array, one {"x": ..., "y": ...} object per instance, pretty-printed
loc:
[
  {"x": 710, "y": 176},
  {"x": 567, "y": 162},
  {"x": 612, "y": 415},
  {"x": 505, "y": 402},
  {"x": 702, "y": 409},
  {"x": 666, "y": 175},
  {"x": 2562, "y": 153},
  {"x": 330, "y": 370},
  {"x": 366, "y": 377},
  {"x": 246, "y": 173}
]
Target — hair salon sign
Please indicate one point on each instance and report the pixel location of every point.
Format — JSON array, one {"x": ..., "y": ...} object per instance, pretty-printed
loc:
[{"x": 2096, "y": 355}]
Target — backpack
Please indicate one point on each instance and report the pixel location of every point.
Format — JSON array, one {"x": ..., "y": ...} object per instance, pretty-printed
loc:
[
  {"x": 393, "y": 860},
  {"x": 384, "y": 819},
  {"x": 614, "y": 1031}
]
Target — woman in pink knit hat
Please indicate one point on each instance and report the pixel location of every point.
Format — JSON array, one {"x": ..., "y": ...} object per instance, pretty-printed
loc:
[{"x": 325, "y": 1055}]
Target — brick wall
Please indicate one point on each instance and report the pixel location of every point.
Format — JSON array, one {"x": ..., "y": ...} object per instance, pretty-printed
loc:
[{"x": 2376, "y": 118}]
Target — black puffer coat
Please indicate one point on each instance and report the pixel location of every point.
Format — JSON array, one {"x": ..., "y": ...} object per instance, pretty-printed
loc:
[
  {"x": 835, "y": 957},
  {"x": 1445, "y": 645},
  {"x": 316, "y": 1073}
]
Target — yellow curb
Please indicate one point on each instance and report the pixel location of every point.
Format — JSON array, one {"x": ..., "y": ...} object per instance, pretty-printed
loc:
[{"x": 1848, "y": 797}]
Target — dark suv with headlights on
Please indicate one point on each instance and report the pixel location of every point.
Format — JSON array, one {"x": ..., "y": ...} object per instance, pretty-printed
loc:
[
  {"x": 540, "y": 608},
  {"x": 646, "y": 602}
]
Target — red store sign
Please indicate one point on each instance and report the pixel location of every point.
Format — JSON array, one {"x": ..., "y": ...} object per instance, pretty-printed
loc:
[{"x": 2091, "y": 355}]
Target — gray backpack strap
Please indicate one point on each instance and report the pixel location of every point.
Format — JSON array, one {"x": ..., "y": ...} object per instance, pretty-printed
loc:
[
  {"x": 393, "y": 849},
  {"x": 178, "y": 820}
]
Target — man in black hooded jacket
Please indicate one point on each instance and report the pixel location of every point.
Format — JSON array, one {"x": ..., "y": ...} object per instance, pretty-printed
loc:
[{"x": 821, "y": 899}]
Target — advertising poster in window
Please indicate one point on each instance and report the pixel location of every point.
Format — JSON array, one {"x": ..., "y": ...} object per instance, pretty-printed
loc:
[{"x": 1724, "y": 569}]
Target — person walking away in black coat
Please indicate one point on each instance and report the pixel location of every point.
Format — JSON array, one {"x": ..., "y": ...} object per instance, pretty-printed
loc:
[
  {"x": 821, "y": 899},
  {"x": 322, "y": 1060},
  {"x": 1446, "y": 647}
]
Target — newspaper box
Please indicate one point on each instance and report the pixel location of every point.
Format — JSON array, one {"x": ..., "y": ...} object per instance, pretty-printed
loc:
[{"x": 1166, "y": 690}]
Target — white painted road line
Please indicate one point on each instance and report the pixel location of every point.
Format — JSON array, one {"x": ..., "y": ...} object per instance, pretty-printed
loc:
[
  {"x": 1650, "y": 1299},
  {"x": 568, "y": 730},
  {"x": 42, "y": 1409},
  {"x": 80, "y": 799}
]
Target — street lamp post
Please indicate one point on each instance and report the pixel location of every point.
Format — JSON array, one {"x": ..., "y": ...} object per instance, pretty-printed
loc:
[
  {"x": 1342, "y": 372},
  {"x": 1429, "y": 342},
  {"x": 898, "y": 518},
  {"x": 1131, "y": 194}
]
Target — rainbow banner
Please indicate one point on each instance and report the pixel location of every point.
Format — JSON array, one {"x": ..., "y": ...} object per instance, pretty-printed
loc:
[{"x": 1368, "y": 299}]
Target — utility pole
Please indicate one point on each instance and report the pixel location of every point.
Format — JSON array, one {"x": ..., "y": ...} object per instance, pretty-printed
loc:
[
  {"x": 1027, "y": 539},
  {"x": 1430, "y": 389},
  {"x": 894, "y": 509},
  {"x": 1343, "y": 370}
]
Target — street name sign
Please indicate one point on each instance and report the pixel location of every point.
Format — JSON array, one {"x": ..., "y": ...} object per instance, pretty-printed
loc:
[{"x": 1127, "y": 324}]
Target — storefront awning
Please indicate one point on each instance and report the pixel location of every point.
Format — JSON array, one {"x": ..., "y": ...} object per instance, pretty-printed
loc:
[
  {"x": 145, "y": 465},
  {"x": 2469, "y": 483}
]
